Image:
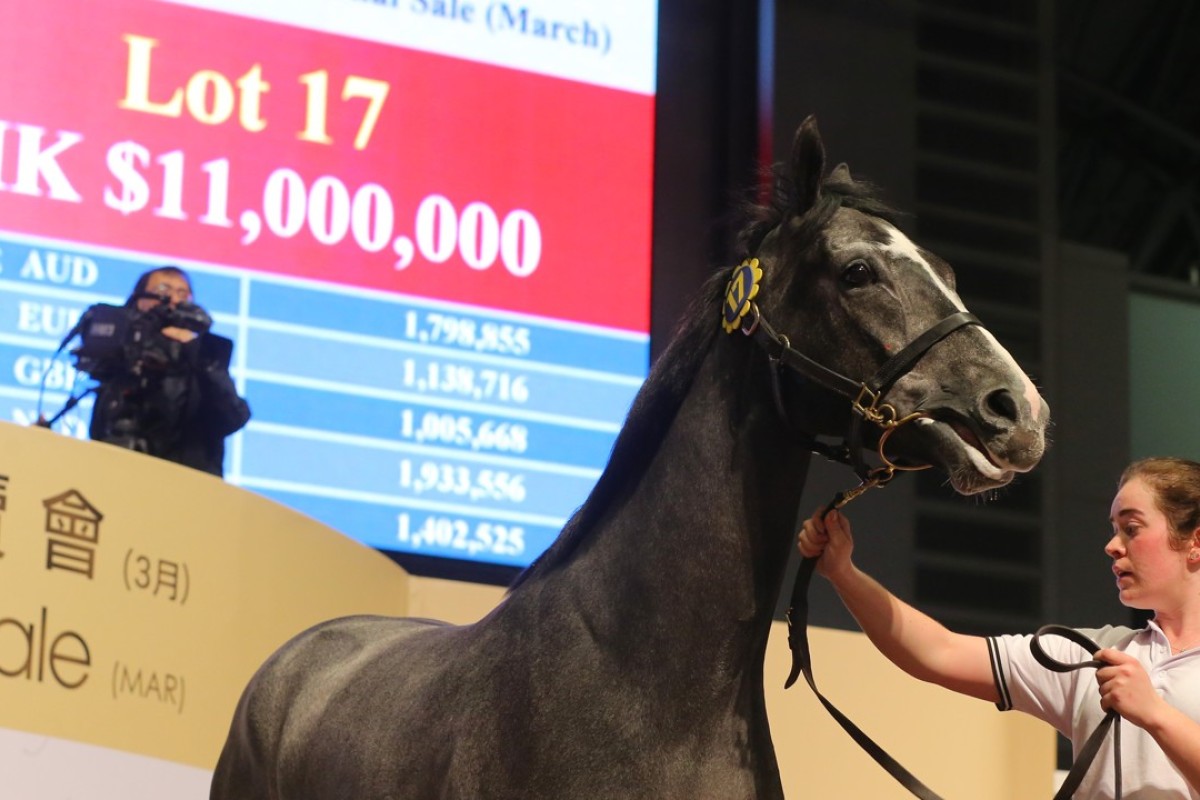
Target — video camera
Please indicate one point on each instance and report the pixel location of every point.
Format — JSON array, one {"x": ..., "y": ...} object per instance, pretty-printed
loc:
[{"x": 124, "y": 340}]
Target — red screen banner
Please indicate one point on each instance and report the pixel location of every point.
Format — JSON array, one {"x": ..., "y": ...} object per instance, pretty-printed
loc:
[{"x": 192, "y": 134}]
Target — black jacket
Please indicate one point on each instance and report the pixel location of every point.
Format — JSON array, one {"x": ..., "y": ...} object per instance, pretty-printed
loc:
[{"x": 179, "y": 404}]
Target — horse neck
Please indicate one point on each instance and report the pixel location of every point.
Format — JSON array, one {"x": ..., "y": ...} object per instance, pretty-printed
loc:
[{"x": 692, "y": 557}]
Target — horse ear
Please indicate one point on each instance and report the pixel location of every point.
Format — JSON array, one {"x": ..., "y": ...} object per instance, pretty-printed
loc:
[
  {"x": 808, "y": 164},
  {"x": 840, "y": 174}
]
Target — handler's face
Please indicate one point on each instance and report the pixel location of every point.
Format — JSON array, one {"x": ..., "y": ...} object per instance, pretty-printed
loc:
[{"x": 1150, "y": 572}]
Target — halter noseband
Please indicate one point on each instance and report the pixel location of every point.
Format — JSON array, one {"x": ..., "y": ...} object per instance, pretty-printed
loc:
[{"x": 740, "y": 312}]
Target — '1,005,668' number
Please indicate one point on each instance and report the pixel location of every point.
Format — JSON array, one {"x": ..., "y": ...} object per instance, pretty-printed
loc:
[{"x": 461, "y": 430}]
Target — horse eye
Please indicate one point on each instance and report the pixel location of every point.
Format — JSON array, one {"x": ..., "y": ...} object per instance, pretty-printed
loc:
[{"x": 857, "y": 273}]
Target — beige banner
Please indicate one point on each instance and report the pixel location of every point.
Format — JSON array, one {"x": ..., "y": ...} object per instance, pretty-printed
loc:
[{"x": 138, "y": 596}]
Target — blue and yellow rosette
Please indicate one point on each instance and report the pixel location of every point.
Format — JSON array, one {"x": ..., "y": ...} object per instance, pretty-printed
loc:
[{"x": 739, "y": 292}]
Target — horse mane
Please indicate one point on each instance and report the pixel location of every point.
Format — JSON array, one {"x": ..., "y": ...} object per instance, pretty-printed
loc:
[
  {"x": 670, "y": 380},
  {"x": 649, "y": 417}
]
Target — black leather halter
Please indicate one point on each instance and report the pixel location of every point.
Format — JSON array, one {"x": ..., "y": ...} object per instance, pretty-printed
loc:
[{"x": 742, "y": 313}]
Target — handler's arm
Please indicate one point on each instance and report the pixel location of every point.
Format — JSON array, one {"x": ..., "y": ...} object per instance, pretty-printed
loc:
[{"x": 913, "y": 641}]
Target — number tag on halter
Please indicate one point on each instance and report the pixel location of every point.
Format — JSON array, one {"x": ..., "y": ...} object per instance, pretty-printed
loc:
[{"x": 742, "y": 288}]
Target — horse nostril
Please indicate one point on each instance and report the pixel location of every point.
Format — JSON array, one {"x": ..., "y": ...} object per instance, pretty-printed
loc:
[{"x": 1002, "y": 403}]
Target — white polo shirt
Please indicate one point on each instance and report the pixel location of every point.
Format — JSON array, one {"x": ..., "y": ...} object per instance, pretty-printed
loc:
[{"x": 1070, "y": 701}]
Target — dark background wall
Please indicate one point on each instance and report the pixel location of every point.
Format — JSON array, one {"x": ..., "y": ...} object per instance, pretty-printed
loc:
[
  {"x": 1017, "y": 134},
  {"x": 1050, "y": 150}
]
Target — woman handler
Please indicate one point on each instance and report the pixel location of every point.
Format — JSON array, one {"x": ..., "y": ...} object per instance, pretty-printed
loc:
[{"x": 1151, "y": 675}]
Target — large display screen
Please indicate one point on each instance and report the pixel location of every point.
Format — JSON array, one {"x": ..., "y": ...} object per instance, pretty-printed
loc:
[{"x": 426, "y": 225}]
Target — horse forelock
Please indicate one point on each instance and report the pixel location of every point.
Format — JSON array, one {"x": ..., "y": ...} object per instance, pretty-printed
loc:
[{"x": 782, "y": 211}]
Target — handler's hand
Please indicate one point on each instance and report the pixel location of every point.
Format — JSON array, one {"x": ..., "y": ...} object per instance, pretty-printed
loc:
[
  {"x": 1125, "y": 687},
  {"x": 179, "y": 334},
  {"x": 830, "y": 539}
]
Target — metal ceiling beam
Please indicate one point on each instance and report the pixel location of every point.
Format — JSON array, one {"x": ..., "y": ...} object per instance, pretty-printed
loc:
[{"x": 1133, "y": 110}]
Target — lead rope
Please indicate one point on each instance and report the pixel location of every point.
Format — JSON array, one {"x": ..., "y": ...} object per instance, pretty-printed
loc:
[{"x": 797, "y": 620}]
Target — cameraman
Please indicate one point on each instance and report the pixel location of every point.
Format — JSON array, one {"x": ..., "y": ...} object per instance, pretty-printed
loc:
[{"x": 174, "y": 399}]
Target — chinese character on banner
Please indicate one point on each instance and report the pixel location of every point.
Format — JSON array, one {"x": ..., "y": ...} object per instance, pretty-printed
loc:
[
  {"x": 73, "y": 528},
  {"x": 168, "y": 580}
]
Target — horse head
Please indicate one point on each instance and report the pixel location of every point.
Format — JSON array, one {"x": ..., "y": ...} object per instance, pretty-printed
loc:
[{"x": 843, "y": 292}]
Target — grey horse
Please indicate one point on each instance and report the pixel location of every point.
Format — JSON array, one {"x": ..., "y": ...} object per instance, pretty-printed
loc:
[{"x": 627, "y": 662}]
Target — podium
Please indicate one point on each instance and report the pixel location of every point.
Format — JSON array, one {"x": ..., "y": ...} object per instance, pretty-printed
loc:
[{"x": 137, "y": 597}]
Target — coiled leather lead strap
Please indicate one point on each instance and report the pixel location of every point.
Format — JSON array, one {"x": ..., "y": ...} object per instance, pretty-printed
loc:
[{"x": 1111, "y": 720}]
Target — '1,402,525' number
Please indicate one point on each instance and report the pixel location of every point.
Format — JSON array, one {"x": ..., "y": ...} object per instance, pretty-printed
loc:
[{"x": 453, "y": 533}]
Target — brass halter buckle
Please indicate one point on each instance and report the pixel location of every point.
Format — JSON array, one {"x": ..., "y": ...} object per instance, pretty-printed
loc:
[
  {"x": 889, "y": 420},
  {"x": 885, "y": 416}
]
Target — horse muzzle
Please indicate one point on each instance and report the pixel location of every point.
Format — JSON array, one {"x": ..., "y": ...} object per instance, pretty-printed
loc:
[{"x": 978, "y": 452}]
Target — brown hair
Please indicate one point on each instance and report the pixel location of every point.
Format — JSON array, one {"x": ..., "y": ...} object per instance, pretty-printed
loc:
[{"x": 1176, "y": 486}]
